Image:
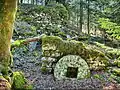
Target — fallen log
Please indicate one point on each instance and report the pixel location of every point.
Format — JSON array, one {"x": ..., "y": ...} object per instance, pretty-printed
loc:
[{"x": 26, "y": 41}]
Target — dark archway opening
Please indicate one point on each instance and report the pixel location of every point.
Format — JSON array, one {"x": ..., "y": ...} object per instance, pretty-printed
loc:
[{"x": 72, "y": 72}]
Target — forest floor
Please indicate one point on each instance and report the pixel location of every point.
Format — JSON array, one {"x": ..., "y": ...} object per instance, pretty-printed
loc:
[{"x": 28, "y": 60}]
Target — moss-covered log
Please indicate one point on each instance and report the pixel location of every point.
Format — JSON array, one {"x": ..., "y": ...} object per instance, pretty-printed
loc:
[
  {"x": 25, "y": 41},
  {"x": 7, "y": 17}
]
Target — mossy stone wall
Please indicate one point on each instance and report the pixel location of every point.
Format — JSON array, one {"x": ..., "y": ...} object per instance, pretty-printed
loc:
[{"x": 55, "y": 47}]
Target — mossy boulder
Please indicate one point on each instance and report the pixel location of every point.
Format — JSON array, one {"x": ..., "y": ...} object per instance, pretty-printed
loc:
[
  {"x": 55, "y": 47},
  {"x": 20, "y": 82},
  {"x": 4, "y": 84},
  {"x": 71, "y": 67}
]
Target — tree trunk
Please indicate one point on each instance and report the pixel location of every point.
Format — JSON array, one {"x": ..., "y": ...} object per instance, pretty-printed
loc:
[
  {"x": 77, "y": 19},
  {"x": 7, "y": 16},
  {"x": 81, "y": 15},
  {"x": 95, "y": 31},
  {"x": 88, "y": 17},
  {"x": 33, "y": 2},
  {"x": 21, "y": 1}
]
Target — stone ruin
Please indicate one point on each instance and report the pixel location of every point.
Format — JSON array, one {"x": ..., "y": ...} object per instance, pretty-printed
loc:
[
  {"x": 71, "y": 66},
  {"x": 70, "y": 59}
]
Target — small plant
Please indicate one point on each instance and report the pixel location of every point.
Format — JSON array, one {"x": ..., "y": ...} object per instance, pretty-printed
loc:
[{"x": 44, "y": 69}]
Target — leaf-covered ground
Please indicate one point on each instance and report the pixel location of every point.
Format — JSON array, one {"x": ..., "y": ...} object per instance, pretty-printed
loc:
[
  {"x": 30, "y": 62},
  {"x": 28, "y": 58}
]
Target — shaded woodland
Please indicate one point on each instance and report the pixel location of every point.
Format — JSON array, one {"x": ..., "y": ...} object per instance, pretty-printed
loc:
[{"x": 59, "y": 44}]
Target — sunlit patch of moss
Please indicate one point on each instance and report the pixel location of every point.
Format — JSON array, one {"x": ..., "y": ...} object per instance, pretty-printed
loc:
[
  {"x": 62, "y": 34},
  {"x": 33, "y": 28},
  {"x": 44, "y": 69},
  {"x": 97, "y": 76},
  {"x": 17, "y": 43},
  {"x": 116, "y": 71},
  {"x": 112, "y": 53},
  {"x": 35, "y": 53},
  {"x": 20, "y": 82}
]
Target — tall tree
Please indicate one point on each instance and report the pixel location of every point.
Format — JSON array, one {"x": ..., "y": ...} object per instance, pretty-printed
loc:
[
  {"x": 88, "y": 16},
  {"x": 33, "y": 1},
  {"x": 21, "y": 1},
  {"x": 81, "y": 15},
  {"x": 7, "y": 17}
]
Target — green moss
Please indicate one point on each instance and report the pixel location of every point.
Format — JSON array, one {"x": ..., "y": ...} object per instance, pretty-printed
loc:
[
  {"x": 1, "y": 10},
  {"x": 35, "y": 53},
  {"x": 61, "y": 45},
  {"x": 97, "y": 76},
  {"x": 119, "y": 58},
  {"x": 4, "y": 64},
  {"x": 33, "y": 28},
  {"x": 44, "y": 69},
  {"x": 116, "y": 71},
  {"x": 62, "y": 34},
  {"x": 114, "y": 77},
  {"x": 19, "y": 81},
  {"x": 117, "y": 63},
  {"x": 110, "y": 52},
  {"x": 55, "y": 47},
  {"x": 17, "y": 43}
]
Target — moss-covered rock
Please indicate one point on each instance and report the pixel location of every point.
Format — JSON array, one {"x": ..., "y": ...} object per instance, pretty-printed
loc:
[
  {"x": 4, "y": 84},
  {"x": 53, "y": 46},
  {"x": 71, "y": 67},
  {"x": 20, "y": 82}
]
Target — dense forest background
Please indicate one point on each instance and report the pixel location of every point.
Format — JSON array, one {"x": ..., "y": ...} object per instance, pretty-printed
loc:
[
  {"x": 89, "y": 16},
  {"x": 50, "y": 34}
]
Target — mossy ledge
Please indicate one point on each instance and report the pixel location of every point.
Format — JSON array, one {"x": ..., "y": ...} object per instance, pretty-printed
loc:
[
  {"x": 20, "y": 82},
  {"x": 53, "y": 46}
]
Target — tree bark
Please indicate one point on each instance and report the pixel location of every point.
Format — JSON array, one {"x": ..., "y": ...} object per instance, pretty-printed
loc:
[
  {"x": 7, "y": 16},
  {"x": 33, "y": 2},
  {"x": 21, "y": 1},
  {"x": 88, "y": 17},
  {"x": 81, "y": 15}
]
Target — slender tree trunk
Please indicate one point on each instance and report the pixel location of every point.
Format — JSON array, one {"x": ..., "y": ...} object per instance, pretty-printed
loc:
[
  {"x": 81, "y": 15},
  {"x": 95, "y": 31},
  {"x": 77, "y": 17},
  {"x": 77, "y": 21},
  {"x": 88, "y": 17},
  {"x": 32, "y": 1},
  {"x": 36, "y": 2},
  {"x": 28, "y": 1},
  {"x": 21, "y": 1},
  {"x": 7, "y": 17}
]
